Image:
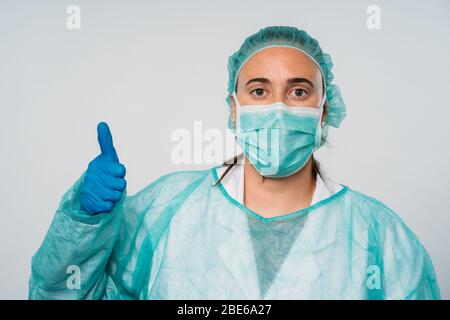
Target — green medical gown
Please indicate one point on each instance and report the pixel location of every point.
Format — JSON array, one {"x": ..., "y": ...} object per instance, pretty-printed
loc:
[{"x": 181, "y": 237}]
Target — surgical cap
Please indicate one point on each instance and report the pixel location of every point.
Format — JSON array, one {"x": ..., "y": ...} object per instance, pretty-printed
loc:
[{"x": 284, "y": 36}]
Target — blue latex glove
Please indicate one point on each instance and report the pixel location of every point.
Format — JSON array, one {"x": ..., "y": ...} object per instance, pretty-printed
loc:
[{"x": 104, "y": 181}]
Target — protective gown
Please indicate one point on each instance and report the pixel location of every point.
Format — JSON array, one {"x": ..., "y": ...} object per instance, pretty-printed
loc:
[{"x": 182, "y": 237}]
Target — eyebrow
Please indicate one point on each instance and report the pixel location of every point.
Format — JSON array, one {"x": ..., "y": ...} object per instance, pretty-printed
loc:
[{"x": 289, "y": 81}]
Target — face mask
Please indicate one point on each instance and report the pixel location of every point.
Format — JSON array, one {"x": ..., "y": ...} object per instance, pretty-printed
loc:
[{"x": 278, "y": 139}]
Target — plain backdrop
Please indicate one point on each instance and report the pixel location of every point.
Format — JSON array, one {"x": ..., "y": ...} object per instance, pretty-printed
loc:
[{"x": 151, "y": 67}]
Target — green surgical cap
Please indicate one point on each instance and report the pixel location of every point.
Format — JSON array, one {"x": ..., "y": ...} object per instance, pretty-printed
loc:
[{"x": 284, "y": 36}]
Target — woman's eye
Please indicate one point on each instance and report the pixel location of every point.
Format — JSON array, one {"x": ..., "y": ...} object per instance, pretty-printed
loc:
[
  {"x": 299, "y": 92},
  {"x": 258, "y": 92}
]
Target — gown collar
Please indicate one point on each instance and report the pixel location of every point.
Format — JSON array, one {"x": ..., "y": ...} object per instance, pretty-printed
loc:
[{"x": 233, "y": 183}]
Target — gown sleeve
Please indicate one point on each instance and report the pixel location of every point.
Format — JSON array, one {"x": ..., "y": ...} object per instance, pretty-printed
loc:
[
  {"x": 71, "y": 262},
  {"x": 408, "y": 271},
  {"x": 114, "y": 252}
]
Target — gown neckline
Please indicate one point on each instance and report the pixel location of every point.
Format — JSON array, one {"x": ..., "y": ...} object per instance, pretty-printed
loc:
[{"x": 282, "y": 217}]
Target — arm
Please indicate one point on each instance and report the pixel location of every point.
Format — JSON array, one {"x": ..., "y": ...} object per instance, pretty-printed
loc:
[
  {"x": 409, "y": 272},
  {"x": 72, "y": 259},
  {"x": 76, "y": 241}
]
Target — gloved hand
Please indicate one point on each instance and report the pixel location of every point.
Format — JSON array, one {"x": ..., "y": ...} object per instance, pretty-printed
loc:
[{"x": 104, "y": 181}]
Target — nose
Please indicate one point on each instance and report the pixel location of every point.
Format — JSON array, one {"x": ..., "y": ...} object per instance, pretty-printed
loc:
[{"x": 278, "y": 96}]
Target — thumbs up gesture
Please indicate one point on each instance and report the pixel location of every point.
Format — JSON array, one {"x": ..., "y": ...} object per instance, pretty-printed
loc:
[{"x": 104, "y": 181}]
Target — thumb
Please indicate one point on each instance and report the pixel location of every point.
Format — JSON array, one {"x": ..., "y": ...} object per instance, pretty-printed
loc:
[{"x": 106, "y": 143}]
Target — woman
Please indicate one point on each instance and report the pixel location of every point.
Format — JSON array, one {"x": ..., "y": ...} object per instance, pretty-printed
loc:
[{"x": 269, "y": 227}]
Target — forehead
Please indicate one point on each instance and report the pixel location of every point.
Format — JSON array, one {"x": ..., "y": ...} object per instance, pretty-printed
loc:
[{"x": 280, "y": 61}]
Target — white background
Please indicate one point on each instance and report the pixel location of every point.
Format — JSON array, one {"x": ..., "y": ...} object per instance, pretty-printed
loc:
[{"x": 150, "y": 67}]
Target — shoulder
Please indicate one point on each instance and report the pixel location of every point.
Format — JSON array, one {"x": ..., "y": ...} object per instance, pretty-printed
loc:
[
  {"x": 170, "y": 186},
  {"x": 408, "y": 269},
  {"x": 373, "y": 210},
  {"x": 373, "y": 220},
  {"x": 180, "y": 179}
]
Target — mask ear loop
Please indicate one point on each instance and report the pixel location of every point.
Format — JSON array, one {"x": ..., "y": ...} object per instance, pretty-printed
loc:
[
  {"x": 318, "y": 138},
  {"x": 238, "y": 113},
  {"x": 237, "y": 129}
]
